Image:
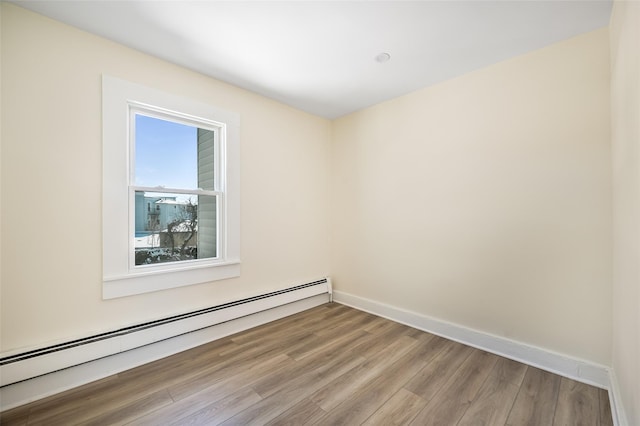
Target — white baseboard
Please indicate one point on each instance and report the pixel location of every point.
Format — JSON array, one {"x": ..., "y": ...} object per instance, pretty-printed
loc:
[
  {"x": 617, "y": 409},
  {"x": 573, "y": 368},
  {"x": 49, "y": 384}
]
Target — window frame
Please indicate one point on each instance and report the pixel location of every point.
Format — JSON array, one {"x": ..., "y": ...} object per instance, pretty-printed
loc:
[
  {"x": 219, "y": 130},
  {"x": 121, "y": 277}
]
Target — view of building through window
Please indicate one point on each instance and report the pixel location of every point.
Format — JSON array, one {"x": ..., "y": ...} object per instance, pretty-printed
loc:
[{"x": 181, "y": 223}]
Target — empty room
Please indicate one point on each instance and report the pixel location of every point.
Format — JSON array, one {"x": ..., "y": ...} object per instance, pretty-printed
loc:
[{"x": 320, "y": 212}]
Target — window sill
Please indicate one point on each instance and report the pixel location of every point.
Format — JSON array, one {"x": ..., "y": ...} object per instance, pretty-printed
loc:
[{"x": 148, "y": 281}]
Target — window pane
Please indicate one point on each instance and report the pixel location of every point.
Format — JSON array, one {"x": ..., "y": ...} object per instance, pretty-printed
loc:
[
  {"x": 173, "y": 155},
  {"x": 174, "y": 227}
]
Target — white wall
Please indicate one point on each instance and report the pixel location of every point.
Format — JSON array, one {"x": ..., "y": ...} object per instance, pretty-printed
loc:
[
  {"x": 625, "y": 108},
  {"x": 51, "y": 185},
  {"x": 485, "y": 201}
]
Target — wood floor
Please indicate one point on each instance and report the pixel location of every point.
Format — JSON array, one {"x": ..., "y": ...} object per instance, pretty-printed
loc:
[{"x": 331, "y": 365}]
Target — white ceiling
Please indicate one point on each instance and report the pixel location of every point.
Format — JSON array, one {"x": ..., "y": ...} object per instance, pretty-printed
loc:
[{"x": 318, "y": 56}]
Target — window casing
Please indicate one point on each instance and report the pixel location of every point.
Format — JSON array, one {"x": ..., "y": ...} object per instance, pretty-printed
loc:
[{"x": 215, "y": 226}]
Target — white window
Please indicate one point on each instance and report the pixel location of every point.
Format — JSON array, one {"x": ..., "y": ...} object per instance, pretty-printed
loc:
[{"x": 170, "y": 191}]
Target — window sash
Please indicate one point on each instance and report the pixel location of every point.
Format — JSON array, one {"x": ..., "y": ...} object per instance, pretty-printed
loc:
[
  {"x": 219, "y": 130},
  {"x": 220, "y": 235}
]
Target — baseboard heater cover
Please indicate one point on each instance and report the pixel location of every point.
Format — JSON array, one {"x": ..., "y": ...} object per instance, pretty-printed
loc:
[{"x": 33, "y": 363}]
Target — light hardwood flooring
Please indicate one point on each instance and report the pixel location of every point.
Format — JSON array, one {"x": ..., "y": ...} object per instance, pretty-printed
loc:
[{"x": 331, "y": 365}]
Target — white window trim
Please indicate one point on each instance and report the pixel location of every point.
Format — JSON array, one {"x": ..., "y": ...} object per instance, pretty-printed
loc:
[{"x": 119, "y": 278}]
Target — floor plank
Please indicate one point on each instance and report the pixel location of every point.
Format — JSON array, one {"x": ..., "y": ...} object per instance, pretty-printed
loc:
[
  {"x": 242, "y": 372},
  {"x": 304, "y": 412},
  {"x": 536, "y": 400},
  {"x": 216, "y": 390},
  {"x": 122, "y": 413},
  {"x": 329, "y": 355},
  {"x": 435, "y": 374},
  {"x": 221, "y": 410},
  {"x": 329, "y": 365},
  {"x": 366, "y": 401},
  {"x": 400, "y": 409},
  {"x": 577, "y": 404},
  {"x": 294, "y": 390},
  {"x": 449, "y": 405},
  {"x": 337, "y": 391},
  {"x": 495, "y": 399}
]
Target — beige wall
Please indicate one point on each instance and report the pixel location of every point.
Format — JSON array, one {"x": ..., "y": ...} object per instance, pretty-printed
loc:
[
  {"x": 485, "y": 200},
  {"x": 625, "y": 108},
  {"x": 51, "y": 185}
]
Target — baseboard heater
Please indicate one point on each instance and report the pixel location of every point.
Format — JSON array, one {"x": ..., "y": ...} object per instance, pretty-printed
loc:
[{"x": 28, "y": 364}]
